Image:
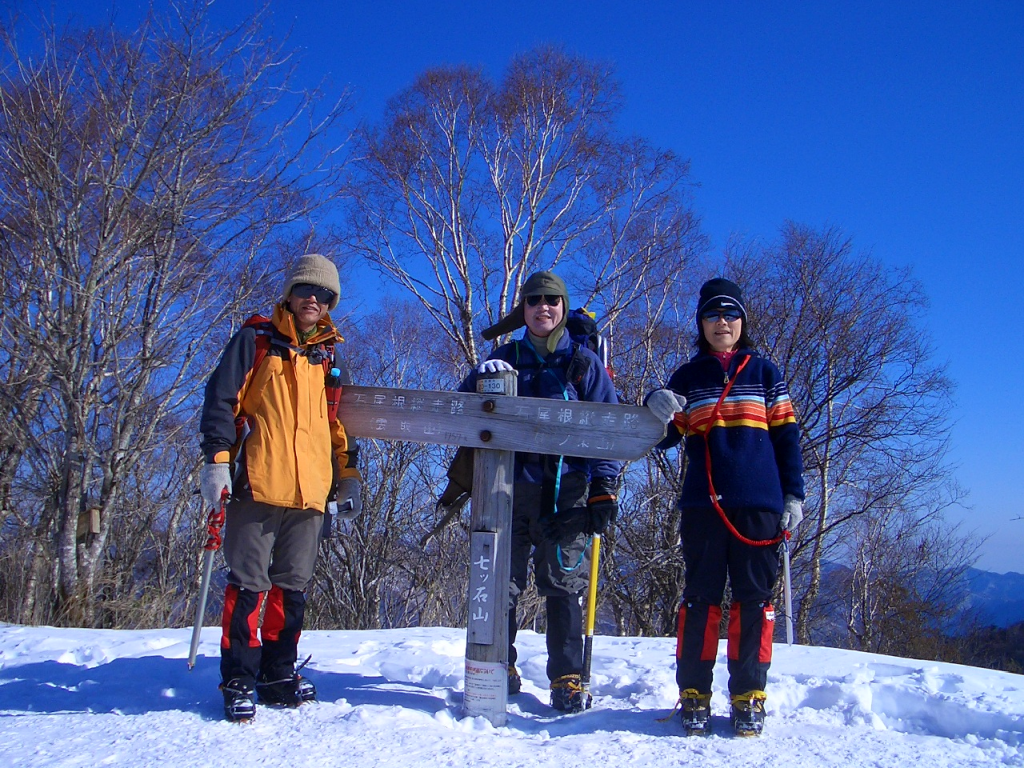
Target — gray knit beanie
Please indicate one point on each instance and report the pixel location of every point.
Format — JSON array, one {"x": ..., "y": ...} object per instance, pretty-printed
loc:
[{"x": 317, "y": 270}]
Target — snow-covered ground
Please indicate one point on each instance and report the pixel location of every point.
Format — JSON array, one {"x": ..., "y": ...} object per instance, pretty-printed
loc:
[{"x": 393, "y": 698}]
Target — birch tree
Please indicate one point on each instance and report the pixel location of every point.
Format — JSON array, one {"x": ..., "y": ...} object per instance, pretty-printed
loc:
[
  {"x": 467, "y": 186},
  {"x": 144, "y": 179},
  {"x": 873, "y": 405}
]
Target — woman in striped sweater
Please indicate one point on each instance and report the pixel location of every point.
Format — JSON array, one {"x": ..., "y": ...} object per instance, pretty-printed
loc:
[{"x": 742, "y": 487}]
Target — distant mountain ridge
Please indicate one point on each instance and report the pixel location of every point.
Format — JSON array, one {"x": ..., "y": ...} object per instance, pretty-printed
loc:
[
  {"x": 998, "y": 598},
  {"x": 985, "y": 598}
]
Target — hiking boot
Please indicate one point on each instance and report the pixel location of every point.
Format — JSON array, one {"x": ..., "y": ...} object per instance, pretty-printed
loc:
[
  {"x": 515, "y": 682},
  {"x": 695, "y": 712},
  {"x": 307, "y": 691},
  {"x": 748, "y": 713},
  {"x": 567, "y": 694},
  {"x": 239, "y": 703},
  {"x": 287, "y": 692}
]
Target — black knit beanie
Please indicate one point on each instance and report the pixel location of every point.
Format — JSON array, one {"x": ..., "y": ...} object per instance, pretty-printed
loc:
[{"x": 720, "y": 294}]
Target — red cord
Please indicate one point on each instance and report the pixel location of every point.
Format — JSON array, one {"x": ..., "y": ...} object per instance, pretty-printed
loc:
[{"x": 707, "y": 466}]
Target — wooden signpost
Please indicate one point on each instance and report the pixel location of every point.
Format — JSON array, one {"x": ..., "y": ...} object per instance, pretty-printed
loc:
[
  {"x": 502, "y": 423},
  {"x": 495, "y": 420}
]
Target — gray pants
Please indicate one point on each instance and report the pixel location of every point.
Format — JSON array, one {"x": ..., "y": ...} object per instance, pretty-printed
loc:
[
  {"x": 267, "y": 546},
  {"x": 561, "y": 569}
]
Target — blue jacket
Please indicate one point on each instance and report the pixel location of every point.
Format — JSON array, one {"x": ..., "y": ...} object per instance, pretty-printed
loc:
[
  {"x": 755, "y": 439},
  {"x": 549, "y": 378}
]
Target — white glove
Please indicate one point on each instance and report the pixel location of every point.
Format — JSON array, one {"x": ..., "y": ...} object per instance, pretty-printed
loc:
[
  {"x": 493, "y": 366},
  {"x": 350, "y": 500},
  {"x": 792, "y": 513},
  {"x": 213, "y": 479},
  {"x": 664, "y": 403}
]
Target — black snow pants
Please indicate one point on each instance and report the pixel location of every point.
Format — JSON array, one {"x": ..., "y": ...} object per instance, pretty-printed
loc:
[
  {"x": 561, "y": 569},
  {"x": 711, "y": 553}
]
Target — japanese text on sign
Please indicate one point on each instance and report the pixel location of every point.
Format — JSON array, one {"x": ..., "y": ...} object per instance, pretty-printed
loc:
[{"x": 482, "y": 589}]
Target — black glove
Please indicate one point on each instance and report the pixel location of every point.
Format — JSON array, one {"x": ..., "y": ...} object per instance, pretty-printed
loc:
[
  {"x": 564, "y": 526},
  {"x": 602, "y": 504}
]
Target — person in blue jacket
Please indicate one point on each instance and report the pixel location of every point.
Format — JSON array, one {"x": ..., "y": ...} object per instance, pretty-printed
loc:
[
  {"x": 742, "y": 487},
  {"x": 558, "y": 501}
]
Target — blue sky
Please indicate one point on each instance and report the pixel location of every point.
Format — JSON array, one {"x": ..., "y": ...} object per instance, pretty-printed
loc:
[{"x": 900, "y": 123}]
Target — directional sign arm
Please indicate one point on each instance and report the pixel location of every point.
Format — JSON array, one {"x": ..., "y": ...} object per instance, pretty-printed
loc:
[{"x": 528, "y": 424}]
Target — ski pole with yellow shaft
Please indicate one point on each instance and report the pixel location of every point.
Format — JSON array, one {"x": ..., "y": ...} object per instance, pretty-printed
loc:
[{"x": 588, "y": 642}]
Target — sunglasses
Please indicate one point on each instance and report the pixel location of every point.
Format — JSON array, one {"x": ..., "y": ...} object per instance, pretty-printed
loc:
[
  {"x": 729, "y": 315},
  {"x": 306, "y": 291},
  {"x": 551, "y": 301}
]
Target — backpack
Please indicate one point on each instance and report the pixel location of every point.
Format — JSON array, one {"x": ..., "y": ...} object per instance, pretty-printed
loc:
[
  {"x": 581, "y": 326},
  {"x": 266, "y": 337}
]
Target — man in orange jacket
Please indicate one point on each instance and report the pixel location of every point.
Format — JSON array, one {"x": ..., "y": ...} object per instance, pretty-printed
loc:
[{"x": 267, "y": 411}]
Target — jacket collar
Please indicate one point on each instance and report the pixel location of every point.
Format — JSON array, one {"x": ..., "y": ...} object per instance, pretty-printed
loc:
[
  {"x": 740, "y": 354},
  {"x": 326, "y": 332},
  {"x": 563, "y": 345}
]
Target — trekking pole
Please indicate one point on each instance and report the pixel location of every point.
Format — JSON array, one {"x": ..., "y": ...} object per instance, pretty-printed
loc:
[
  {"x": 588, "y": 642},
  {"x": 788, "y": 588},
  {"x": 214, "y": 524}
]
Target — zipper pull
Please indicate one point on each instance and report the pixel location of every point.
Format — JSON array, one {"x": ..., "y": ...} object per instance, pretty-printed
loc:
[{"x": 726, "y": 377}]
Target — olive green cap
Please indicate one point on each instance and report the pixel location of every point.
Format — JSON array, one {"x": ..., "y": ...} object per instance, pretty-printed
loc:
[{"x": 537, "y": 284}]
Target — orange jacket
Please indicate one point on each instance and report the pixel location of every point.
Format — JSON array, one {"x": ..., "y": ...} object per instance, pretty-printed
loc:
[{"x": 292, "y": 455}]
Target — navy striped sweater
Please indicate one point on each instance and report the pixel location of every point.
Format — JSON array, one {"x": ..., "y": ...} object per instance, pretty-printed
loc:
[{"x": 755, "y": 439}]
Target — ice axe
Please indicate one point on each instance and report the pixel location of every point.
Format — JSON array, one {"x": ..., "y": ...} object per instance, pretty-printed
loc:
[
  {"x": 214, "y": 524},
  {"x": 588, "y": 642}
]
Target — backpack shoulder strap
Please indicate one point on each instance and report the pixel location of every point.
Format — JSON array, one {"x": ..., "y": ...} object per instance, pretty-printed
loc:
[
  {"x": 264, "y": 332},
  {"x": 577, "y": 367},
  {"x": 333, "y": 381}
]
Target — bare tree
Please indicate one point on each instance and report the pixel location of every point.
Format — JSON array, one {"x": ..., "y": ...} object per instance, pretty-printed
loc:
[
  {"x": 144, "y": 178},
  {"x": 906, "y": 584},
  {"x": 873, "y": 407},
  {"x": 469, "y": 186},
  {"x": 847, "y": 334},
  {"x": 375, "y": 574},
  {"x": 642, "y": 563}
]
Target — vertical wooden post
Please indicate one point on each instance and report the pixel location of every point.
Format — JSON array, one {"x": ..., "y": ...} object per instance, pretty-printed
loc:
[{"x": 486, "y": 691}]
